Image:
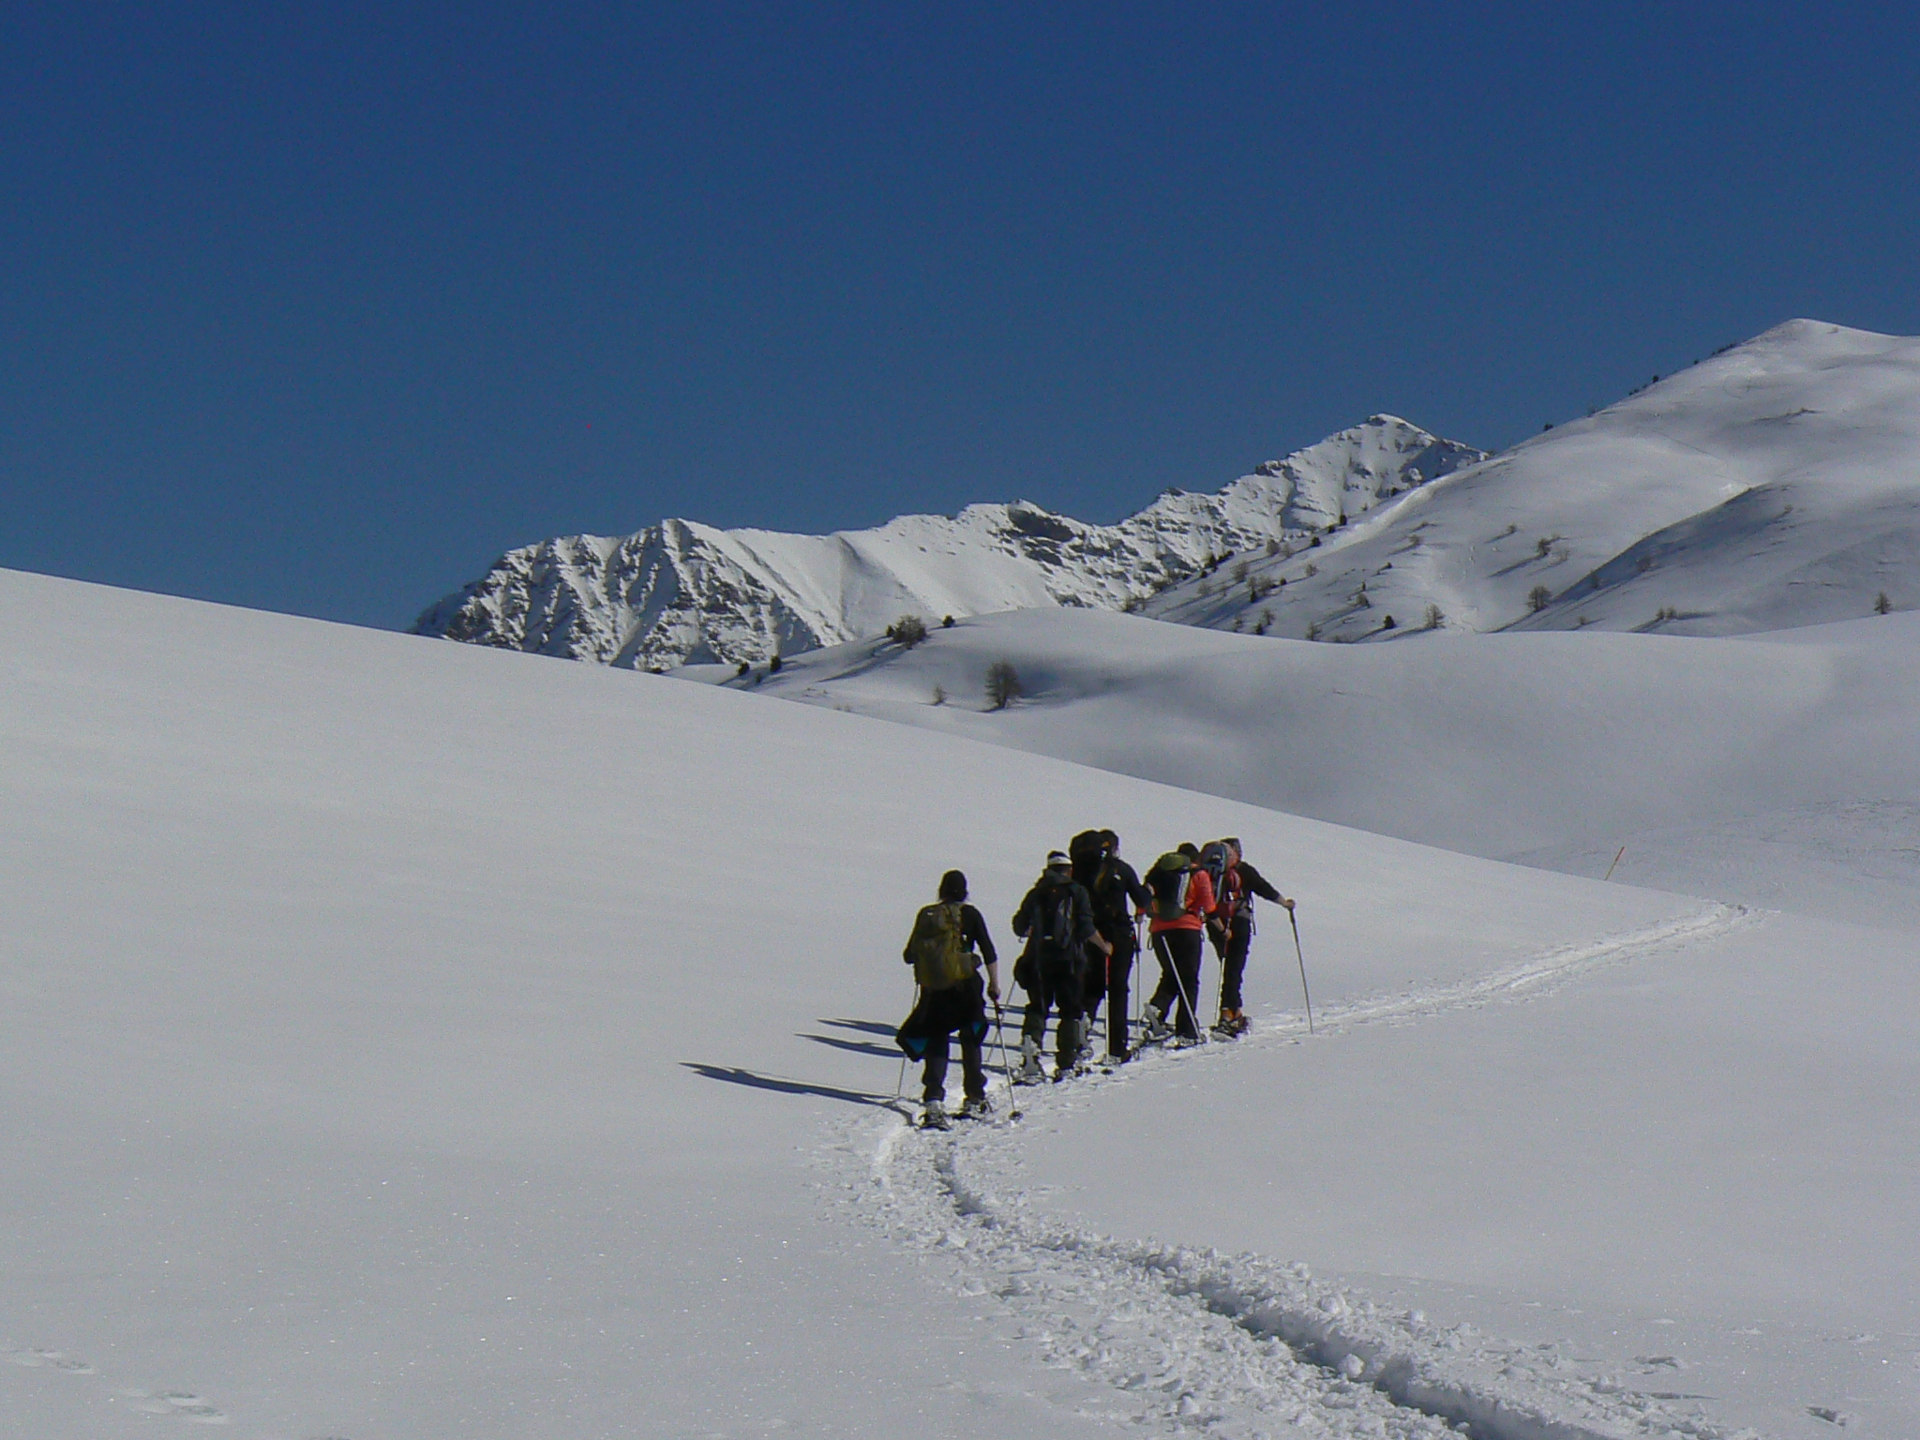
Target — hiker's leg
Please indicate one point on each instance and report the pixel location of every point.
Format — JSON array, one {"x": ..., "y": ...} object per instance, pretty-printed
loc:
[
  {"x": 1119, "y": 967},
  {"x": 1234, "y": 967},
  {"x": 1168, "y": 990}
]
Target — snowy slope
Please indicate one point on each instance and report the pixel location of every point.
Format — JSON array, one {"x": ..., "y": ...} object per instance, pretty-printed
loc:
[
  {"x": 682, "y": 591},
  {"x": 408, "y": 1039},
  {"x": 1776, "y": 484},
  {"x": 1493, "y": 744}
]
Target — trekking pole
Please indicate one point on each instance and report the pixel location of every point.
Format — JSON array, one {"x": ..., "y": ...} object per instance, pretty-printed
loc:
[
  {"x": 1193, "y": 1015},
  {"x": 1293, "y": 920},
  {"x": 1616, "y": 860},
  {"x": 1006, "y": 1064}
]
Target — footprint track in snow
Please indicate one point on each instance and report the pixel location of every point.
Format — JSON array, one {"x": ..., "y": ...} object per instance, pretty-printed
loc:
[
  {"x": 1241, "y": 1346},
  {"x": 181, "y": 1404}
]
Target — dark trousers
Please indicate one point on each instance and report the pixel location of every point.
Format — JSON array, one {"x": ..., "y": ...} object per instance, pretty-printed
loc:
[
  {"x": 1058, "y": 983},
  {"x": 1118, "y": 969},
  {"x": 934, "y": 1020},
  {"x": 1233, "y": 959},
  {"x": 1179, "y": 952}
]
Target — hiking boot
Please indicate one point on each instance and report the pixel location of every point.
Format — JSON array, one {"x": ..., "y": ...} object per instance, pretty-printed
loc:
[
  {"x": 1153, "y": 1025},
  {"x": 975, "y": 1107},
  {"x": 1232, "y": 1024},
  {"x": 935, "y": 1117}
]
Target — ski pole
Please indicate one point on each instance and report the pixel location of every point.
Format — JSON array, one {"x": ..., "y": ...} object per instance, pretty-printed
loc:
[
  {"x": 1294, "y": 920},
  {"x": 1180, "y": 984},
  {"x": 1006, "y": 1064}
]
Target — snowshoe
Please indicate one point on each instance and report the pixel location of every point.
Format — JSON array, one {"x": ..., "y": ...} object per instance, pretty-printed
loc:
[
  {"x": 1029, "y": 1072},
  {"x": 976, "y": 1107},
  {"x": 1153, "y": 1027},
  {"x": 1232, "y": 1025},
  {"x": 935, "y": 1117}
]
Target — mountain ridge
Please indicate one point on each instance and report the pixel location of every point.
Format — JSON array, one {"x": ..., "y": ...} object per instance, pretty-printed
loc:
[{"x": 680, "y": 591}]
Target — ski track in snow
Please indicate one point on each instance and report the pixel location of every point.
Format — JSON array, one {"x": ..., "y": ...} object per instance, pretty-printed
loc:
[{"x": 1239, "y": 1347}]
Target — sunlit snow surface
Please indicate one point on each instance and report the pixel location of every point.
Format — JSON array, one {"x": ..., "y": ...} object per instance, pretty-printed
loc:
[{"x": 406, "y": 1039}]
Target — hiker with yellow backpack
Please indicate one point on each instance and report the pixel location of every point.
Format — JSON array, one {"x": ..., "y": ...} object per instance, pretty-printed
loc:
[{"x": 948, "y": 945}]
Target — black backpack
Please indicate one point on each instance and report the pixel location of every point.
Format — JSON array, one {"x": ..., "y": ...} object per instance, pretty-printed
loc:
[
  {"x": 1108, "y": 893},
  {"x": 1168, "y": 882},
  {"x": 1053, "y": 918},
  {"x": 1086, "y": 850}
]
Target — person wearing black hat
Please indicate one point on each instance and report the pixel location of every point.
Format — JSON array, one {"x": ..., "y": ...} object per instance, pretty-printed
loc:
[
  {"x": 942, "y": 950},
  {"x": 1056, "y": 921}
]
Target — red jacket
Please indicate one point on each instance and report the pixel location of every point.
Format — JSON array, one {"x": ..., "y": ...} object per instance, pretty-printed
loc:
[{"x": 1200, "y": 901}]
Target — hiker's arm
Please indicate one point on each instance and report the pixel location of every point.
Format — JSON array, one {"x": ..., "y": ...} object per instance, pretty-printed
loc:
[
  {"x": 973, "y": 929},
  {"x": 1257, "y": 884},
  {"x": 993, "y": 981}
]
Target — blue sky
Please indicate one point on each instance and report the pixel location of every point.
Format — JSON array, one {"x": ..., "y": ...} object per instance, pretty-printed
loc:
[{"x": 318, "y": 308}]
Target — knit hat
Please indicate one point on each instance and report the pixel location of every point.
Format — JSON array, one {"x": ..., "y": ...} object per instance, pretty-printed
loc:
[{"x": 1057, "y": 860}]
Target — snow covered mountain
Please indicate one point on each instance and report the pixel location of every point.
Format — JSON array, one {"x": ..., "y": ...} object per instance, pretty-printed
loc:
[
  {"x": 682, "y": 592},
  {"x": 1776, "y": 484}
]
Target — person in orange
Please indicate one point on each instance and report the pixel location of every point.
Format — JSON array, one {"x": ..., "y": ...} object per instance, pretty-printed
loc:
[{"x": 1182, "y": 899}]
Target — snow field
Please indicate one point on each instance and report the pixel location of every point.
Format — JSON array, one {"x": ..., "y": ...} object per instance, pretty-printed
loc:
[
  {"x": 410, "y": 1039},
  {"x": 1497, "y": 745}
]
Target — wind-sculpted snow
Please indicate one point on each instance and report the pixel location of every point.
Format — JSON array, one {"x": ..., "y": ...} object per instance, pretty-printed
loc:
[
  {"x": 681, "y": 591},
  {"x": 1224, "y": 1345}
]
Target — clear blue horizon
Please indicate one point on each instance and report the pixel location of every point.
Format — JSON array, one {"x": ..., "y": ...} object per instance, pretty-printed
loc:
[{"x": 320, "y": 310}]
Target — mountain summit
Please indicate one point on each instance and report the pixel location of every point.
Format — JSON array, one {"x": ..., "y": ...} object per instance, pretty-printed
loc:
[{"x": 681, "y": 592}]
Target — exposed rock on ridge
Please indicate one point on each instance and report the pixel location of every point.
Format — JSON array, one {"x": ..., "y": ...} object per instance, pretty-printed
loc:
[{"x": 682, "y": 592}]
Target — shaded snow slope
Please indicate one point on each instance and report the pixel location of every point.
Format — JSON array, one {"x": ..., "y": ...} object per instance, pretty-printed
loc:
[
  {"x": 406, "y": 1039},
  {"x": 1493, "y": 744},
  {"x": 681, "y": 591},
  {"x": 1775, "y": 484}
]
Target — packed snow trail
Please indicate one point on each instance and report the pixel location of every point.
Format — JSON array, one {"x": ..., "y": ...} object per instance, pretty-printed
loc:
[{"x": 1239, "y": 1346}]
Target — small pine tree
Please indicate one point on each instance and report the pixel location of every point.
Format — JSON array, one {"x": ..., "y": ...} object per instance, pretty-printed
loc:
[
  {"x": 1313, "y": 630},
  {"x": 939, "y": 694},
  {"x": 1240, "y": 569},
  {"x": 1881, "y": 604},
  {"x": 1387, "y": 624},
  {"x": 773, "y": 665},
  {"x": 947, "y": 624},
  {"x": 1539, "y": 598},
  {"x": 740, "y": 671},
  {"x": 1003, "y": 684},
  {"x": 1436, "y": 617},
  {"x": 908, "y": 631}
]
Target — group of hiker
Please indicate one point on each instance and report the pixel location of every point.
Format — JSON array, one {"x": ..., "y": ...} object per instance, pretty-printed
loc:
[{"x": 1081, "y": 924}]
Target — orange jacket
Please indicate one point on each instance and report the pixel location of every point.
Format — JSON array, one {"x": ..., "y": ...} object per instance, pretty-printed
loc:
[{"x": 1200, "y": 902}]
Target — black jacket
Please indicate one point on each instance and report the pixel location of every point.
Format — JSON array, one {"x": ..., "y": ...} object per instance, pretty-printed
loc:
[
  {"x": 1252, "y": 883},
  {"x": 1042, "y": 897},
  {"x": 1110, "y": 900}
]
